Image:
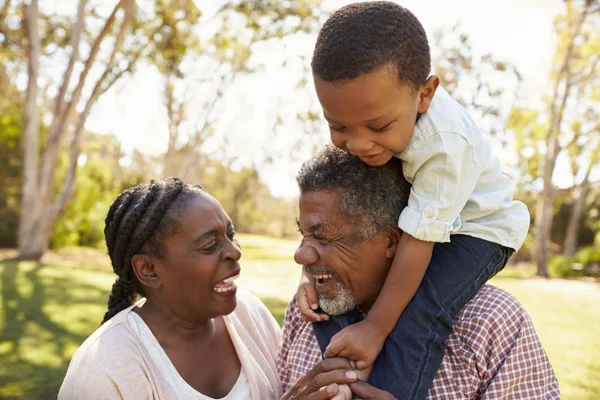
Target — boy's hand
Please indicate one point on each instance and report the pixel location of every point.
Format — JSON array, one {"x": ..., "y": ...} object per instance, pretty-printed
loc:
[
  {"x": 361, "y": 342},
  {"x": 308, "y": 301}
]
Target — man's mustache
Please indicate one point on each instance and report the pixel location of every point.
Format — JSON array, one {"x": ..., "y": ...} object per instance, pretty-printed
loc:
[{"x": 320, "y": 270}]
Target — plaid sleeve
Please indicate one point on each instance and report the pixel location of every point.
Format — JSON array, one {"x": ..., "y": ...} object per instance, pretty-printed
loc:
[
  {"x": 291, "y": 325},
  {"x": 494, "y": 353}
]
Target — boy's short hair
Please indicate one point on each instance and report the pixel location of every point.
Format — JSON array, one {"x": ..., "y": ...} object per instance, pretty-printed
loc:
[{"x": 362, "y": 37}]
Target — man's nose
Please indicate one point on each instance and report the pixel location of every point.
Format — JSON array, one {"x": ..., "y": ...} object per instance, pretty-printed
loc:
[{"x": 306, "y": 254}]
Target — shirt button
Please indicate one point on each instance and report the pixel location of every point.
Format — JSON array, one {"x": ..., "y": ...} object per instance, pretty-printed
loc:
[{"x": 429, "y": 213}]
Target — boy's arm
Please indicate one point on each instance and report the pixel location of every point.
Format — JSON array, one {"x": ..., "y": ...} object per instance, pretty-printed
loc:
[
  {"x": 364, "y": 340},
  {"x": 405, "y": 275}
]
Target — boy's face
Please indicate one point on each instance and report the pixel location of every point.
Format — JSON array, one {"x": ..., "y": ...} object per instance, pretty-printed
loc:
[{"x": 373, "y": 116}]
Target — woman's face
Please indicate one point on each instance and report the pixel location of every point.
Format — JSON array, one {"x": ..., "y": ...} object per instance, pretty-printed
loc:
[{"x": 201, "y": 261}]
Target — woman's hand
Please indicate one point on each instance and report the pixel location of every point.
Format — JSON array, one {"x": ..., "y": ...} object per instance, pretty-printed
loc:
[{"x": 323, "y": 381}]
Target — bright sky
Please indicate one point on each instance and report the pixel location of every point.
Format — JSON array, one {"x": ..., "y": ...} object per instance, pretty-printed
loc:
[{"x": 519, "y": 31}]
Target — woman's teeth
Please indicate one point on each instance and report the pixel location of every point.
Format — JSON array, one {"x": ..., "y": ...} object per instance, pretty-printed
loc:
[{"x": 226, "y": 285}]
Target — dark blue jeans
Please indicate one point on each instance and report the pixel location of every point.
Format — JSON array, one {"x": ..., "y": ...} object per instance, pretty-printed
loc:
[{"x": 414, "y": 350}]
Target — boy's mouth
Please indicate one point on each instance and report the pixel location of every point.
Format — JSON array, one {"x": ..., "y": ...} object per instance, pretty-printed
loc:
[{"x": 371, "y": 159}]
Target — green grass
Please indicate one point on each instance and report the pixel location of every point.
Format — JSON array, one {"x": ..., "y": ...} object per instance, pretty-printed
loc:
[{"x": 47, "y": 309}]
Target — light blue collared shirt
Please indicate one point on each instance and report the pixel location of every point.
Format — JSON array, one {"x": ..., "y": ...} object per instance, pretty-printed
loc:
[{"x": 458, "y": 184}]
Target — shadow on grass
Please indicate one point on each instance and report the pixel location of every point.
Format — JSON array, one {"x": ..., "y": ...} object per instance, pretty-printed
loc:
[{"x": 35, "y": 348}]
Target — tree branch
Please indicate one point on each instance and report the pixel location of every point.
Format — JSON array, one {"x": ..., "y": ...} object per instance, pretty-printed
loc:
[{"x": 74, "y": 45}]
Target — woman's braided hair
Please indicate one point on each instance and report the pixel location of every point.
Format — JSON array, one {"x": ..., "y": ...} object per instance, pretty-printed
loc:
[{"x": 142, "y": 217}]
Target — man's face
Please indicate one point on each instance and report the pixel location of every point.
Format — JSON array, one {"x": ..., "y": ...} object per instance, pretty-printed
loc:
[
  {"x": 373, "y": 116},
  {"x": 349, "y": 270}
]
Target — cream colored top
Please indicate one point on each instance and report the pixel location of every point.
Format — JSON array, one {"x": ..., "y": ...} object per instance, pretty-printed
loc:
[
  {"x": 114, "y": 363},
  {"x": 182, "y": 389}
]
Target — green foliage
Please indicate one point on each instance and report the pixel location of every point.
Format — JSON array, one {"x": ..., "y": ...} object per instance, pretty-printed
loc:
[
  {"x": 585, "y": 263},
  {"x": 561, "y": 266},
  {"x": 47, "y": 311},
  {"x": 11, "y": 125}
]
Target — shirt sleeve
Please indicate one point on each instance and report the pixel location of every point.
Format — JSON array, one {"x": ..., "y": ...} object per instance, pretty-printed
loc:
[
  {"x": 445, "y": 171},
  {"x": 499, "y": 351},
  {"x": 520, "y": 369},
  {"x": 291, "y": 325},
  {"x": 104, "y": 378}
]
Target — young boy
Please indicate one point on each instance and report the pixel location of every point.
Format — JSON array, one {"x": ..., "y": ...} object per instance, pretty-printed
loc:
[{"x": 371, "y": 68}]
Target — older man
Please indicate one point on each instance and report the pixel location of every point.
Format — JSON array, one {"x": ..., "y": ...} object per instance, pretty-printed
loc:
[{"x": 348, "y": 219}]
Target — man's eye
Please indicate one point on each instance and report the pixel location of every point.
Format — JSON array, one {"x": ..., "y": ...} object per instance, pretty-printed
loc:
[{"x": 319, "y": 238}]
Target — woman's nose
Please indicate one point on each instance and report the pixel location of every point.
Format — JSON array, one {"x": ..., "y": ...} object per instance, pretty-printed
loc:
[{"x": 233, "y": 251}]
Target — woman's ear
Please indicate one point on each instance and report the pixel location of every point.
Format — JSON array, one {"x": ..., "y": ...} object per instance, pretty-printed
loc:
[
  {"x": 145, "y": 271},
  {"x": 393, "y": 238}
]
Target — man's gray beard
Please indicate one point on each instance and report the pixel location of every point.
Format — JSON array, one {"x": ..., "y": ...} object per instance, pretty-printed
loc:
[{"x": 340, "y": 304}]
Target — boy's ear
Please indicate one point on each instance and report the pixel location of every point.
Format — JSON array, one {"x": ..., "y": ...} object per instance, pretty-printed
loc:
[
  {"x": 145, "y": 271},
  {"x": 393, "y": 238},
  {"x": 427, "y": 92}
]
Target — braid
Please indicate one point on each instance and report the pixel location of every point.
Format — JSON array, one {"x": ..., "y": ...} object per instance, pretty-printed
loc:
[
  {"x": 126, "y": 217},
  {"x": 121, "y": 297},
  {"x": 113, "y": 218},
  {"x": 159, "y": 211},
  {"x": 128, "y": 226}
]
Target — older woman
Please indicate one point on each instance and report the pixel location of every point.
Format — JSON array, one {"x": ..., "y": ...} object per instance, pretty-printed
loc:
[{"x": 193, "y": 336}]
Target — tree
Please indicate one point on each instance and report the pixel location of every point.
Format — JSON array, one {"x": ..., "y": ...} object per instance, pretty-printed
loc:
[
  {"x": 126, "y": 35},
  {"x": 575, "y": 67},
  {"x": 584, "y": 155},
  {"x": 219, "y": 59},
  {"x": 479, "y": 82}
]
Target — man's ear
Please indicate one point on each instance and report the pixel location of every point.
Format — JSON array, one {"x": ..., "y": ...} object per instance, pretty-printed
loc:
[
  {"x": 393, "y": 238},
  {"x": 426, "y": 93},
  {"x": 145, "y": 271}
]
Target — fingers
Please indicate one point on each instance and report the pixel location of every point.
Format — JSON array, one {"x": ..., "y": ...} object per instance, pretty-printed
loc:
[
  {"x": 324, "y": 393},
  {"x": 305, "y": 307},
  {"x": 362, "y": 364},
  {"x": 311, "y": 297},
  {"x": 336, "y": 346},
  {"x": 335, "y": 376},
  {"x": 365, "y": 391}
]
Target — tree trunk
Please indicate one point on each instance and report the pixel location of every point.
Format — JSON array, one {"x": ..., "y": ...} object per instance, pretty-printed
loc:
[
  {"x": 29, "y": 247},
  {"x": 38, "y": 209},
  {"x": 572, "y": 233},
  {"x": 544, "y": 214}
]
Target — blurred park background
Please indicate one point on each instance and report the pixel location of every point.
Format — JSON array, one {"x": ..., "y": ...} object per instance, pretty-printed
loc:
[{"x": 99, "y": 95}]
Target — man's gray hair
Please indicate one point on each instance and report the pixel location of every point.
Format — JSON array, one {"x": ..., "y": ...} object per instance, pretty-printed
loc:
[{"x": 371, "y": 197}]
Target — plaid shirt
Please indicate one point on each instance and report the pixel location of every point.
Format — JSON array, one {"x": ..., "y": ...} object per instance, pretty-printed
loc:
[{"x": 492, "y": 353}]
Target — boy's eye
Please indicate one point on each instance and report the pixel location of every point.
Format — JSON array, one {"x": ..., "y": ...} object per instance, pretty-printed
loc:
[
  {"x": 337, "y": 129},
  {"x": 382, "y": 129}
]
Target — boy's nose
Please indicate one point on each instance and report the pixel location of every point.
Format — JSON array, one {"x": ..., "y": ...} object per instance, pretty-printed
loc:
[{"x": 358, "y": 146}]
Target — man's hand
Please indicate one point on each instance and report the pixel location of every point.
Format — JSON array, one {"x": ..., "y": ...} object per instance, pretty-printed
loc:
[
  {"x": 308, "y": 300},
  {"x": 323, "y": 381},
  {"x": 364, "y": 391},
  {"x": 361, "y": 342}
]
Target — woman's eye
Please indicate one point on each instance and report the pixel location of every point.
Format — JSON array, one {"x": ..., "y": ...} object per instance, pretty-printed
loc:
[{"x": 210, "y": 247}]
